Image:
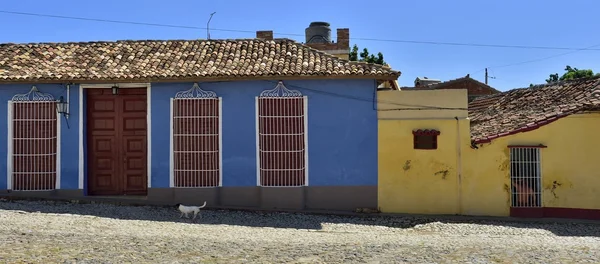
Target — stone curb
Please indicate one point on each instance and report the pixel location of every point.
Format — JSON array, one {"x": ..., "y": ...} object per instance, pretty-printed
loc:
[{"x": 453, "y": 218}]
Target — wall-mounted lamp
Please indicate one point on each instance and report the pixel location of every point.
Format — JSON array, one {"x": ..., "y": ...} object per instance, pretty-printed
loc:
[
  {"x": 115, "y": 89},
  {"x": 62, "y": 107}
]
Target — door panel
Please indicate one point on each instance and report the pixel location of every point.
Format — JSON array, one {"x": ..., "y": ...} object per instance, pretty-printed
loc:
[
  {"x": 103, "y": 165},
  {"x": 134, "y": 142},
  {"x": 117, "y": 153},
  {"x": 134, "y": 164},
  {"x": 102, "y": 122}
]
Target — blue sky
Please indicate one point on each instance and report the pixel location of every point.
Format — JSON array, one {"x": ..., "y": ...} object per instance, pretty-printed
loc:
[{"x": 549, "y": 23}]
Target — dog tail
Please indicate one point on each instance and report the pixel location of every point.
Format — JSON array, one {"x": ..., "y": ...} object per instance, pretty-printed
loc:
[{"x": 203, "y": 205}]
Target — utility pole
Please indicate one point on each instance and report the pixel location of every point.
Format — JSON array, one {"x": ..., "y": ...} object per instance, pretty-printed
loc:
[
  {"x": 486, "y": 76},
  {"x": 207, "y": 26}
]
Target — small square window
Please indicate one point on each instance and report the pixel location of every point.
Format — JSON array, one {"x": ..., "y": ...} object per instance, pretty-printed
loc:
[{"x": 425, "y": 138}]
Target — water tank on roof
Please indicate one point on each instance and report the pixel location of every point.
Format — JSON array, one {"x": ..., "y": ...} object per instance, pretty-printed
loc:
[{"x": 318, "y": 32}]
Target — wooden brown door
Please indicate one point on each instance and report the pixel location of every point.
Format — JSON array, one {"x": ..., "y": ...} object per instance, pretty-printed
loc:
[{"x": 117, "y": 141}]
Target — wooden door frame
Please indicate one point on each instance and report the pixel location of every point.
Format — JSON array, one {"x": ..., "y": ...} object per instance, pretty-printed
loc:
[{"x": 82, "y": 113}]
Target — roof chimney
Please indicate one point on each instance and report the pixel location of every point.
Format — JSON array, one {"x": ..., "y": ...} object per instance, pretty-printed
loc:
[
  {"x": 343, "y": 38},
  {"x": 264, "y": 34}
]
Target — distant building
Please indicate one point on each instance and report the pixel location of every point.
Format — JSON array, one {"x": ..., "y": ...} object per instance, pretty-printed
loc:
[
  {"x": 318, "y": 36},
  {"x": 424, "y": 82},
  {"x": 474, "y": 87}
]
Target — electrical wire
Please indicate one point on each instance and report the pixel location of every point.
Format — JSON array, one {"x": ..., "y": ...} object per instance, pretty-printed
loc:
[
  {"x": 572, "y": 50},
  {"x": 539, "y": 59},
  {"x": 545, "y": 58},
  {"x": 291, "y": 34},
  {"x": 364, "y": 99}
]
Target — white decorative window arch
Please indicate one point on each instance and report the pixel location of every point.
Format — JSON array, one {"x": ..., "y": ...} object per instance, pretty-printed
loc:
[
  {"x": 34, "y": 142},
  {"x": 196, "y": 139},
  {"x": 281, "y": 138}
]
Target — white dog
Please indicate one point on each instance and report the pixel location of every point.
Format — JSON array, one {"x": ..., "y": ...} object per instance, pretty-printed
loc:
[{"x": 186, "y": 209}]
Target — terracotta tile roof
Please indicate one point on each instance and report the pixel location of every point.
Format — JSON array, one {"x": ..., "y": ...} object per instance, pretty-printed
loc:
[
  {"x": 152, "y": 60},
  {"x": 449, "y": 82},
  {"x": 525, "y": 109},
  {"x": 484, "y": 101},
  {"x": 477, "y": 91}
]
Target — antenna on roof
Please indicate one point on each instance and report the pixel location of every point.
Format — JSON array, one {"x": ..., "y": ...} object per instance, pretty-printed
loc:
[{"x": 207, "y": 28}]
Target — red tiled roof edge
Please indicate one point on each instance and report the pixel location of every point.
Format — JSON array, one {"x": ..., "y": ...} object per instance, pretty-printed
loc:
[
  {"x": 442, "y": 84},
  {"x": 529, "y": 127},
  {"x": 486, "y": 101}
]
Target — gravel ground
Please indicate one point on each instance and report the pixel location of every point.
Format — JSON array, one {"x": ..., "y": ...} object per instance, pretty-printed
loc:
[{"x": 58, "y": 232}]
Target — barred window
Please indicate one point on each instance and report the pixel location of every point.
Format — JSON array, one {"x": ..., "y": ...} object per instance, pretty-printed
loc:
[
  {"x": 34, "y": 142},
  {"x": 282, "y": 138},
  {"x": 196, "y": 139}
]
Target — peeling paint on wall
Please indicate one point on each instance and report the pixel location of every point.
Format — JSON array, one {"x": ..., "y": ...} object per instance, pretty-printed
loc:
[
  {"x": 406, "y": 165},
  {"x": 508, "y": 192},
  {"x": 503, "y": 165},
  {"x": 444, "y": 173},
  {"x": 552, "y": 188}
]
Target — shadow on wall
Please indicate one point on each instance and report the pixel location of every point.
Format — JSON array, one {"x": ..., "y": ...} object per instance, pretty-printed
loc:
[{"x": 296, "y": 220}]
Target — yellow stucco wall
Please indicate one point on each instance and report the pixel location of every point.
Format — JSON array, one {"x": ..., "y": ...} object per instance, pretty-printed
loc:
[
  {"x": 571, "y": 159},
  {"x": 420, "y": 181},
  {"x": 456, "y": 179},
  {"x": 415, "y": 104}
]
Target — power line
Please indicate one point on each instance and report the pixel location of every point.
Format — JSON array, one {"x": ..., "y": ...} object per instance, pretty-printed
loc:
[
  {"x": 467, "y": 44},
  {"x": 364, "y": 99},
  {"x": 493, "y": 74},
  {"x": 539, "y": 59},
  {"x": 291, "y": 34},
  {"x": 545, "y": 58}
]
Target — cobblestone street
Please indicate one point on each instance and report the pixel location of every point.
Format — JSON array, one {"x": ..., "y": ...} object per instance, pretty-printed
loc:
[{"x": 49, "y": 232}]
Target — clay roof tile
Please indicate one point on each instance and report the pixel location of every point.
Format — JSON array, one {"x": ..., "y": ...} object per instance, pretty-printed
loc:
[{"x": 129, "y": 60}]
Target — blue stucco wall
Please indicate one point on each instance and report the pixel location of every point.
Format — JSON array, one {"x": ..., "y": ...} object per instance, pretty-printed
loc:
[
  {"x": 342, "y": 130},
  {"x": 69, "y": 147}
]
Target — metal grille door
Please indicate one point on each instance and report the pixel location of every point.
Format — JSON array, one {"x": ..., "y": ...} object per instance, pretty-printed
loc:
[{"x": 525, "y": 176}]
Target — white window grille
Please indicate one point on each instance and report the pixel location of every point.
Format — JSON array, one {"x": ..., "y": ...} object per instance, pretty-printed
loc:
[
  {"x": 196, "y": 139},
  {"x": 33, "y": 148},
  {"x": 281, "y": 138},
  {"x": 525, "y": 176}
]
